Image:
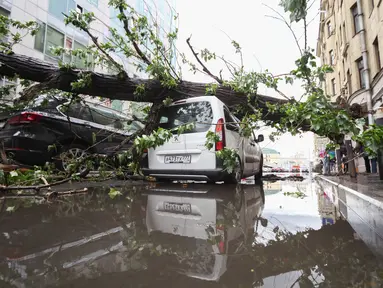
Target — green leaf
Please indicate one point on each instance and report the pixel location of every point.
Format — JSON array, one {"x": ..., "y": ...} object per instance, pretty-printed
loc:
[
  {"x": 13, "y": 174},
  {"x": 10, "y": 209},
  {"x": 94, "y": 137},
  {"x": 113, "y": 193}
]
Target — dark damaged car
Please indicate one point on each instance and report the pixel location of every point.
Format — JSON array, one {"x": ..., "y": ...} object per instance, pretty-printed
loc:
[{"x": 50, "y": 128}]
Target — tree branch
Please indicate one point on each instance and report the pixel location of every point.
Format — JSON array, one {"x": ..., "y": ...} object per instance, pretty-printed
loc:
[
  {"x": 110, "y": 58},
  {"x": 125, "y": 22},
  {"x": 281, "y": 18},
  {"x": 305, "y": 31},
  {"x": 36, "y": 187},
  {"x": 204, "y": 68},
  {"x": 31, "y": 92}
]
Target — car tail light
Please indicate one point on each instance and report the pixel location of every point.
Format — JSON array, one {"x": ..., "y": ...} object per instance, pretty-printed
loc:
[
  {"x": 25, "y": 117},
  {"x": 220, "y": 131}
]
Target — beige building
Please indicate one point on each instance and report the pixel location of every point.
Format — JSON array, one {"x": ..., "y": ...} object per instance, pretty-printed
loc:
[
  {"x": 346, "y": 26},
  {"x": 271, "y": 157}
]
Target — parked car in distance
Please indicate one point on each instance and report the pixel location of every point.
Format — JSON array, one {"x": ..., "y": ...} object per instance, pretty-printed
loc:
[
  {"x": 278, "y": 170},
  {"x": 185, "y": 156},
  {"x": 76, "y": 130}
]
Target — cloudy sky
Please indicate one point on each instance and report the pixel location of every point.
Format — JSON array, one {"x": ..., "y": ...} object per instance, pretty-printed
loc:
[{"x": 266, "y": 43}]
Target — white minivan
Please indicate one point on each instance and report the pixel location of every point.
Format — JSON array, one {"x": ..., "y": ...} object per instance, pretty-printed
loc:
[{"x": 185, "y": 156}]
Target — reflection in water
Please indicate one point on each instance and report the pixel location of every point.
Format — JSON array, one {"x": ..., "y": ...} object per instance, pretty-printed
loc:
[{"x": 185, "y": 235}]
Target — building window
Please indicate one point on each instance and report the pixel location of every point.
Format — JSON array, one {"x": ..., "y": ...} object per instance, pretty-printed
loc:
[
  {"x": 349, "y": 82},
  {"x": 68, "y": 46},
  {"x": 344, "y": 33},
  {"x": 54, "y": 39},
  {"x": 333, "y": 86},
  {"x": 360, "y": 65},
  {"x": 79, "y": 9},
  {"x": 60, "y": 7},
  {"x": 332, "y": 58},
  {"x": 377, "y": 54},
  {"x": 344, "y": 70},
  {"x": 340, "y": 35},
  {"x": 94, "y": 2},
  {"x": 40, "y": 37},
  {"x": 4, "y": 12},
  {"x": 372, "y": 5},
  {"x": 329, "y": 29},
  {"x": 354, "y": 12},
  {"x": 78, "y": 61}
]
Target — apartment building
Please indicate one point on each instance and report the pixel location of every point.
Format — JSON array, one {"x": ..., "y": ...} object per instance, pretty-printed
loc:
[
  {"x": 50, "y": 16},
  {"x": 351, "y": 41}
]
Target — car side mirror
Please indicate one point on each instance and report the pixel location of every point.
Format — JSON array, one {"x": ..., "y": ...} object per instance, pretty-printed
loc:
[{"x": 260, "y": 138}]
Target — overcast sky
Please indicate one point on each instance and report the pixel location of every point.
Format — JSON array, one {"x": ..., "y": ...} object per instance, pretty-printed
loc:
[{"x": 266, "y": 43}]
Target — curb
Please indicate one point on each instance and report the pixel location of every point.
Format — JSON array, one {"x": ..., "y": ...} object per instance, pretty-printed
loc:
[{"x": 356, "y": 193}]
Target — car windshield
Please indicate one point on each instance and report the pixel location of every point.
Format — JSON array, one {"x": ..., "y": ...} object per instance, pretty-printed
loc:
[
  {"x": 43, "y": 102},
  {"x": 199, "y": 113},
  {"x": 109, "y": 117}
]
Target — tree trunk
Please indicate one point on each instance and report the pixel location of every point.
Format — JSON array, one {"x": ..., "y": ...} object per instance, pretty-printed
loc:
[
  {"x": 116, "y": 87},
  {"x": 338, "y": 160},
  {"x": 350, "y": 158}
]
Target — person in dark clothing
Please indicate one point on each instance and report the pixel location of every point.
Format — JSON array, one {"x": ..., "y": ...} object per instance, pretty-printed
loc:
[{"x": 345, "y": 164}]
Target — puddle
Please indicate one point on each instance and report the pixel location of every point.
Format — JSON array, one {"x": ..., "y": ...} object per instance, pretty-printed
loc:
[{"x": 274, "y": 234}]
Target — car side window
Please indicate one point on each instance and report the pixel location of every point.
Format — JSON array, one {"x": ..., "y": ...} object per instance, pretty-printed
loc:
[
  {"x": 229, "y": 120},
  {"x": 77, "y": 110},
  {"x": 103, "y": 117}
]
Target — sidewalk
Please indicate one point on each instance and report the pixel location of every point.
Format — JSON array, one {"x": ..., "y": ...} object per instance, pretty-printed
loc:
[
  {"x": 368, "y": 185},
  {"x": 360, "y": 202}
]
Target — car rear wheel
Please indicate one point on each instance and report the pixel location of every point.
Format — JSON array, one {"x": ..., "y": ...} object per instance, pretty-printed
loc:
[{"x": 70, "y": 155}]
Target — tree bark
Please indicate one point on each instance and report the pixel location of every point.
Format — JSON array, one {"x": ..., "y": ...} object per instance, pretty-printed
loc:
[
  {"x": 350, "y": 157},
  {"x": 122, "y": 88}
]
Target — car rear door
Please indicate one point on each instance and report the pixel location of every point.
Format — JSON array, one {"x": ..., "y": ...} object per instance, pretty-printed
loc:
[
  {"x": 234, "y": 140},
  {"x": 186, "y": 151}
]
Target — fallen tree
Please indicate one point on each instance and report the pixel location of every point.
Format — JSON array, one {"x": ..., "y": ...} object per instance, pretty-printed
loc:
[
  {"x": 121, "y": 88},
  {"x": 140, "y": 42}
]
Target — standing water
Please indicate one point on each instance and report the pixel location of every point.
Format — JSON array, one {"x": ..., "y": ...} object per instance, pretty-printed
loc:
[{"x": 273, "y": 234}]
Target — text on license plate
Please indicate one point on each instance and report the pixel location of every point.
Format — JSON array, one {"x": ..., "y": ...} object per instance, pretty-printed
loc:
[
  {"x": 177, "y": 207},
  {"x": 177, "y": 159}
]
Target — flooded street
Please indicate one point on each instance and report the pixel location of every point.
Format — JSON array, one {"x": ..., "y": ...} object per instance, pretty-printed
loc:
[{"x": 273, "y": 234}]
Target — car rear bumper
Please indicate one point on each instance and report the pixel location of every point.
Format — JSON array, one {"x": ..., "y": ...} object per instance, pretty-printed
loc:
[
  {"x": 199, "y": 175},
  {"x": 26, "y": 147},
  {"x": 28, "y": 157}
]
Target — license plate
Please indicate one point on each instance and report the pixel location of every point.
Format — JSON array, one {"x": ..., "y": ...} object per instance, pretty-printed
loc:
[
  {"x": 177, "y": 159},
  {"x": 177, "y": 207}
]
